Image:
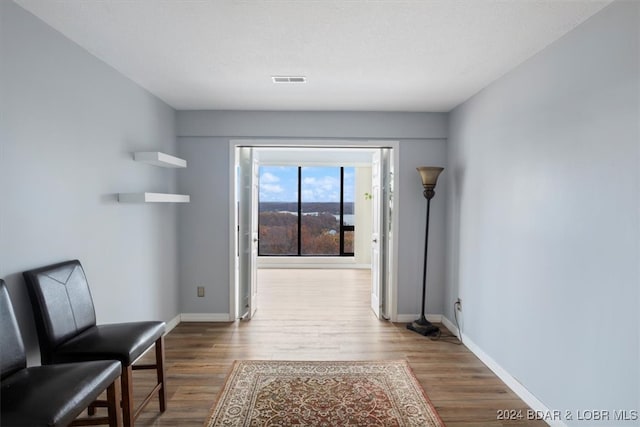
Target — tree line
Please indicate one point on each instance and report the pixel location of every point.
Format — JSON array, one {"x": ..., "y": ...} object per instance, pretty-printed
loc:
[{"x": 320, "y": 234}]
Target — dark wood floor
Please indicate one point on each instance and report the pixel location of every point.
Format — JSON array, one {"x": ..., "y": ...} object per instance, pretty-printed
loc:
[{"x": 321, "y": 315}]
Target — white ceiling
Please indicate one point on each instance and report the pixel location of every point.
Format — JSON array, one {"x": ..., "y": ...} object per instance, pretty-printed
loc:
[{"x": 362, "y": 55}]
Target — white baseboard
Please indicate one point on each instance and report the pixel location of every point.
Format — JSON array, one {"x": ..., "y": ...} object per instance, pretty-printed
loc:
[
  {"x": 450, "y": 326},
  {"x": 505, "y": 376},
  {"x": 172, "y": 324},
  {"x": 286, "y": 265},
  {"x": 406, "y": 318},
  {"x": 205, "y": 317}
]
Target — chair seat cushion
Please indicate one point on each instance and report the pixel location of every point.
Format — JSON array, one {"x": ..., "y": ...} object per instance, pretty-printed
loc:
[
  {"x": 119, "y": 341},
  {"x": 54, "y": 395}
]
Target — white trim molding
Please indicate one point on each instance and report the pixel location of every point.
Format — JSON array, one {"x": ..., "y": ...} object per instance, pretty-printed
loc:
[
  {"x": 323, "y": 265},
  {"x": 205, "y": 317},
  {"x": 504, "y": 375},
  {"x": 407, "y": 318},
  {"x": 450, "y": 326},
  {"x": 171, "y": 324}
]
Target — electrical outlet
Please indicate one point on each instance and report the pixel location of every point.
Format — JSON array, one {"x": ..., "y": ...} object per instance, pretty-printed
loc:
[
  {"x": 200, "y": 291},
  {"x": 459, "y": 304}
]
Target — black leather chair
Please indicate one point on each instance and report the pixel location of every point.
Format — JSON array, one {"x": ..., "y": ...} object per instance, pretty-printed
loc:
[
  {"x": 67, "y": 331},
  {"x": 52, "y": 395}
]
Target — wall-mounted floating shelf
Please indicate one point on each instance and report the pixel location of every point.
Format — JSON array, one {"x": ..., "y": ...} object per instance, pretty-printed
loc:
[
  {"x": 158, "y": 158},
  {"x": 164, "y": 160},
  {"x": 153, "y": 198}
]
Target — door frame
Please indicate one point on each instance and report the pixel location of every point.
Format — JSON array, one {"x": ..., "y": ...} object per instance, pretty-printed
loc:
[{"x": 392, "y": 279}]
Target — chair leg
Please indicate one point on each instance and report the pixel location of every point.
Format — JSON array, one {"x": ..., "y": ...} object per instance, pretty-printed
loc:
[
  {"x": 162, "y": 392},
  {"x": 113, "y": 404},
  {"x": 127, "y": 396},
  {"x": 91, "y": 410}
]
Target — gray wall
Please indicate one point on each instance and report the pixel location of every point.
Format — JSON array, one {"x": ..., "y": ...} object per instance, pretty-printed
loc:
[
  {"x": 312, "y": 124},
  {"x": 203, "y": 225},
  {"x": 69, "y": 124},
  {"x": 544, "y": 217}
]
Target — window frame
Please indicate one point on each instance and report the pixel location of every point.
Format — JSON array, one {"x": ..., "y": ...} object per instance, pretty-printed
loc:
[{"x": 343, "y": 228}]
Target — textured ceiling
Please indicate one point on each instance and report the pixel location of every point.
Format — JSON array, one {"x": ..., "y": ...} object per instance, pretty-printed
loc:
[{"x": 363, "y": 55}]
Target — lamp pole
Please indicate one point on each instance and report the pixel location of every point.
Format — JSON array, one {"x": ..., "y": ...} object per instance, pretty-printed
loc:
[{"x": 429, "y": 177}]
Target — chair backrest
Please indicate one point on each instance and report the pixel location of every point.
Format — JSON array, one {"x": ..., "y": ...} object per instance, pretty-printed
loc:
[
  {"x": 62, "y": 304},
  {"x": 13, "y": 357}
]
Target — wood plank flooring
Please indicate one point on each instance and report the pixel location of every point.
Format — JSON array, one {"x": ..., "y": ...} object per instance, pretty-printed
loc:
[{"x": 321, "y": 315}]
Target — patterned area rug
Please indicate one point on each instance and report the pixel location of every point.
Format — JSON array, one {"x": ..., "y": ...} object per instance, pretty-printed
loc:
[{"x": 275, "y": 393}]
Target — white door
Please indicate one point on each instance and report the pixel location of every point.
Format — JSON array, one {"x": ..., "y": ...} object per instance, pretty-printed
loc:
[
  {"x": 248, "y": 233},
  {"x": 381, "y": 237},
  {"x": 376, "y": 265},
  {"x": 386, "y": 231}
]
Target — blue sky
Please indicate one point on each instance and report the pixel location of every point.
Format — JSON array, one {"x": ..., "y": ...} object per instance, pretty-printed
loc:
[{"x": 319, "y": 184}]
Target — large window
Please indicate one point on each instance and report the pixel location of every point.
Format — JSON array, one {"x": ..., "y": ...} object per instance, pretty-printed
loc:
[{"x": 306, "y": 211}]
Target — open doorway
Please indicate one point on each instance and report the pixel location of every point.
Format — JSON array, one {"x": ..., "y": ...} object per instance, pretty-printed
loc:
[{"x": 255, "y": 166}]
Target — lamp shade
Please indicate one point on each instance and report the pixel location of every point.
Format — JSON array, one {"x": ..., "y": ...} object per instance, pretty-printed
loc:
[{"x": 429, "y": 175}]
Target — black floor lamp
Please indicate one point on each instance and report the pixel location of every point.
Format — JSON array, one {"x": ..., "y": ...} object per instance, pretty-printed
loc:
[{"x": 429, "y": 175}]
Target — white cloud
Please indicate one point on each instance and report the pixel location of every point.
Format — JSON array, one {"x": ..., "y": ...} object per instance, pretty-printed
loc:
[
  {"x": 268, "y": 178},
  {"x": 270, "y": 188},
  {"x": 321, "y": 189},
  {"x": 326, "y": 183}
]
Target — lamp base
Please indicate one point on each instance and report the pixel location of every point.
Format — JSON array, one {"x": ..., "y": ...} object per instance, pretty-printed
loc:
[{"x": 423, "y": 327}]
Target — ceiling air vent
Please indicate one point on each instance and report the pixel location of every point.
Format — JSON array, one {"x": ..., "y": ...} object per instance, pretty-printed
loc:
[{"x": 289, "y": 79}]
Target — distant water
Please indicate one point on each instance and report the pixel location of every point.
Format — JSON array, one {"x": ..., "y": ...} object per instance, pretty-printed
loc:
[
  {"x": 349, "y": 219},
  {"x": 311, "y": 209},
  {"x": 331, "y": 207}
]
